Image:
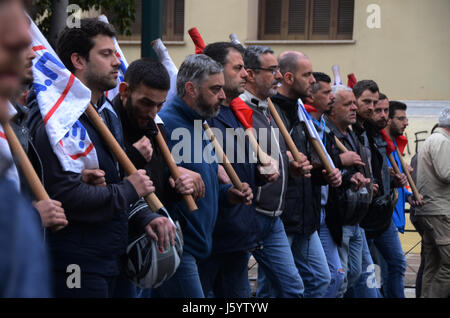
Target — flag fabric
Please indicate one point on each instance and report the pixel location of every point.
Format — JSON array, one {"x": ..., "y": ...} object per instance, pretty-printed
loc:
[
  {"x": 242, "y": 112},
  {"x": 62, "y": 99},
  {"x": 197, "y": 39},
  {"x": 11, "y": 174},
  {"x": 351, "y": 80},
  {"x": 307, "y": 119},
  {"x": 401, "y": 142},
  {"x": 122, "y": 68},
  {"x": 165, "y": 59}
]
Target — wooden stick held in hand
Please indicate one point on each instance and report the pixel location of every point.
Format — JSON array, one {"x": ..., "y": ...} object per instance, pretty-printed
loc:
[
  {"x": 27, "y": 168},
  {"x": 221, "y": 154},
  {"x": 408, "y": 175},
  {"x": 190, "y": 202},
  {"x": 119, "y": 153}
]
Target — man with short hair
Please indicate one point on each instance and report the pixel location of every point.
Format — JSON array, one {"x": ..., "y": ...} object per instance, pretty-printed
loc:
[
  {"x": 200, "y": 93},
  {"x": 96, "y": 237},
  {"x": 225, "y": 273},
  {"x": 276, "y": 265},
  {"x": 301, "y": 216},
  {"x": 433, "y": 182}
]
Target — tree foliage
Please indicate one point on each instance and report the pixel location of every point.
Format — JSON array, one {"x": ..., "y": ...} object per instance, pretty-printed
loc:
[{"x": 120, "y": 13}]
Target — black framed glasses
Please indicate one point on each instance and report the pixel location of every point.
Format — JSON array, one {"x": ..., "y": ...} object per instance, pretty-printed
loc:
[{"x": 274, "y": 70}]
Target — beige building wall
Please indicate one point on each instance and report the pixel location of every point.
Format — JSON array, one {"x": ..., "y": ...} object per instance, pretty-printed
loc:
[{"x": 407, "y": 56}]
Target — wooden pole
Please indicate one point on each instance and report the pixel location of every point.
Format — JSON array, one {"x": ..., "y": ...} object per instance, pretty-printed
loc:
[
  {"x": 318, "y": 149},
  {"x": 287, "y": 137},
  {"x": 119, "y": 153},
  {"x": 27, "y": 168},
  {"x": 408, "y": 175},
  {"x": 173, "y": 168},
  {"x": 340, "y": 145},
  {"x": 220, "y": 154}
]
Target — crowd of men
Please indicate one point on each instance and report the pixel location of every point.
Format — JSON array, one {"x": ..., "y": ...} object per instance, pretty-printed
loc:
[{"x": 313, "y": 232}]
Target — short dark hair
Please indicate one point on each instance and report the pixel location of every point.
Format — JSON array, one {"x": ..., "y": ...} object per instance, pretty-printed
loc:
[
  {"x": 319, "y": 77},
  {"x": 149, "y": 72},
  {"x": 364, "y": 85},
  {"x": 218, "y": 51},
  {"x": 252, "y": 54},
  {"x": 394, "y": 106},
  {"x": 382, "y": 96},
  {"x": 79, "y": 40}
]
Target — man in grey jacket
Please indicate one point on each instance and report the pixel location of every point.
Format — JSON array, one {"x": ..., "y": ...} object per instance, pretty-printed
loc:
[
  {"x": 276, "y": 263},
  {"x": 433, "y": 182}
]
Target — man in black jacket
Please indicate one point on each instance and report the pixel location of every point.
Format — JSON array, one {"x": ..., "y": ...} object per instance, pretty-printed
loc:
[
  {"x": 301, "y": 216},
  {"x": 96, "y": 237}
]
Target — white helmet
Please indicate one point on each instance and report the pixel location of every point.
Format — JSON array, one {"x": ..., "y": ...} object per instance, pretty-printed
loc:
[{"x": 147, "y": 265}]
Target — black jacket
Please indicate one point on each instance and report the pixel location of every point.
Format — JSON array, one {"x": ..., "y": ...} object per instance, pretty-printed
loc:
[
  {"x": 302, "y": 212},
  {"x": 97, "y": 234},
  {"x": 379, "y": 216}
]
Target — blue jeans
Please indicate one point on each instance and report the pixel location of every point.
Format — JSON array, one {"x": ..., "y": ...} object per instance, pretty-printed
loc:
[
  {"x": 185, "y": 283},
  {"x": 333, "y": 260},
  {"x": 390, "y": 248},
  {"x": 368, "y": 283},
  {"x": 350, "y": 253},
  {"x": 277, "y": 274},
  {"x": 226, "y": 275},
  {"x": 311, "y": 262}
]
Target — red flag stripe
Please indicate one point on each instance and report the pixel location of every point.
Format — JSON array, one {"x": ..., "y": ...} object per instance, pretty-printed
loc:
[
  {"x": 2, "y": 135},
  {"x": 38, "y": 48},
  {"x": 61, "y": 98},
  {"x": 82, "y": 154}
]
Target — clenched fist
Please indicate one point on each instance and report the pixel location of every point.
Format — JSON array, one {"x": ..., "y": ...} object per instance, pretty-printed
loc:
[{"x": 141, "y": 182}]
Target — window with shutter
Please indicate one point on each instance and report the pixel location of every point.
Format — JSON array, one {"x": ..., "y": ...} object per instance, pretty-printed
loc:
[{"x": 306, "y": 19}]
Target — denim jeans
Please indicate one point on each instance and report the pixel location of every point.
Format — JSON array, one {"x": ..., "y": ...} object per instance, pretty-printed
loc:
[
  {"x": 350, "y": 253},
  {"x": 311, "y": 262},
  {"x": 277, "y": 274},
  {"x": 185, "y": 283},
  {"x": 225, "y": 275},
  {"x": 333, "y": 260},
  {"x": 368, "y": 283},
  {"x": 390, "y": 248}
]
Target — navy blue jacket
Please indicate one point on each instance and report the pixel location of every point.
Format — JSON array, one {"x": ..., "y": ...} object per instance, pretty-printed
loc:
[
  {"x": 97, "y": 234},
  {"x": 190, "y": 150},
  {"x": 236, "y": 227}
]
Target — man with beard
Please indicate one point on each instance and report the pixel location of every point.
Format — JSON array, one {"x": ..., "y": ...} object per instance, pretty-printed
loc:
[
  {"x": 301, "y": 216},
  {"x": 200, "y": 93},
  {"x": 397, "y": 123},
  {"x": 24, "y": 268},
  {"x": 378, "y": 220},
  {"x": 96, "y": 237}
]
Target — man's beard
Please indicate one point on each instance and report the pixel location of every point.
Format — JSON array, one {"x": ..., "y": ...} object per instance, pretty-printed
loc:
[
  {"x": 380, "y": 124},
  {"x": 132, "y": 115},
  {"x": 205, "y": 110},
  {"x": 102, "y": 83}
]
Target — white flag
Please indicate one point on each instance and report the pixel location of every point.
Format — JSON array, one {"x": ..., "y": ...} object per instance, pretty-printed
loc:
[
  {"x": 12, "y": 173},
  {"x": 62, "y": 99},
  {"x": 307, "y": 119},
  {"x": 165, "y": 59}
]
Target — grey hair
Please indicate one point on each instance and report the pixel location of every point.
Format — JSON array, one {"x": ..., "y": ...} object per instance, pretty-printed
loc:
[
  {"x": 339, "y": 88},
  {"x": 444, "y": 118},
  {"x": 252, "y": 54},
  {"x": 196, "y": 68}
]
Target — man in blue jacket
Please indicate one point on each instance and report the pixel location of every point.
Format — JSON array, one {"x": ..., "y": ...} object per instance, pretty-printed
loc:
[{"x": 200, "y": 93}]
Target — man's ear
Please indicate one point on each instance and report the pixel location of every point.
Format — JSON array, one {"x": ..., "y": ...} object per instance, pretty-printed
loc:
[
  {"x": 288, "y": 78},
  {"x": 191, "y": 90},
  {"x": 78, "y": 62},
  {"x": 251, "y": 75},
  {"x": 124, "y": 92}
]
